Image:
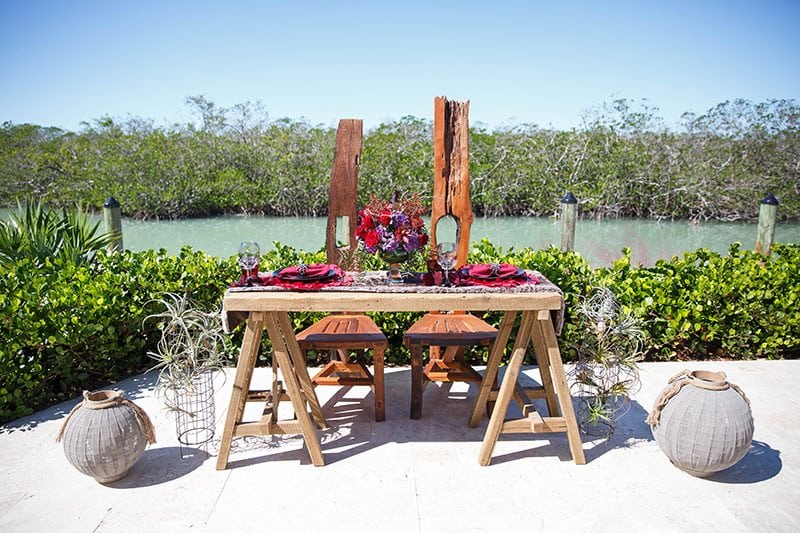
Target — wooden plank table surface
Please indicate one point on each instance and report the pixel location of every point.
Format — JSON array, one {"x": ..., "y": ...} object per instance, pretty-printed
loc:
[{"x": 269, "y": 310}]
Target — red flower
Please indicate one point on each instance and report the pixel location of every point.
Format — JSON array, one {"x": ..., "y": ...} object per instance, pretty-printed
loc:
[
  {"x": 417, "y": 222},
  {"x": 371, "y": 239},
  {"x": 423, "y": 239},
  {"x": 367, "y": 222},
  {"x": 385, "y": 217}
]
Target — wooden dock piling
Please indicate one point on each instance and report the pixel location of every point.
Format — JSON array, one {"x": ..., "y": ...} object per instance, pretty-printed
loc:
[
  {"x": 569, "y": 211},
  {"x": 767, "y": 216},
  {"x": 113, "y": 220}
]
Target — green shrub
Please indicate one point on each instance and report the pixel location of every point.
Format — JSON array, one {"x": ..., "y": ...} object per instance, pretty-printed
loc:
[
  {"x": 703, "y": 304},
  {"x": 68, "y": 327},
  {"x": 621, "y": 162}
]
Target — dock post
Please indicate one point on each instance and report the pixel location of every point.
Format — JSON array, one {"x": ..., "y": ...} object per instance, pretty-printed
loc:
[
  {"x": 767, "y": 215},
  {"x": 569, "y": 210},
  {"x": 113, "y": 220}
]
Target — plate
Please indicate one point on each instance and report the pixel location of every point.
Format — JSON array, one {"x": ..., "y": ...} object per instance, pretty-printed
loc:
[
  {"x": 296, "y": 277},
  {"x": 518, "y": 273}
]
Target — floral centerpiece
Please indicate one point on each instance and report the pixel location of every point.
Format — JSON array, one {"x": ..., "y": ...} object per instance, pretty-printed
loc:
[{"x": 392, "y": 229}]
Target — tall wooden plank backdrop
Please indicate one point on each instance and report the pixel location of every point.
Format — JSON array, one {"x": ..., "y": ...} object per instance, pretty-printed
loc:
[
  {"x": 451, "y": 168},
  {"x": 344, "y": 180}
]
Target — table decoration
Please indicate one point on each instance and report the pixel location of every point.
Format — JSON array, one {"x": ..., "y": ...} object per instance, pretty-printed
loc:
[
  {"x": 105, "y": 435},
  {"x": 394, "y": 230},
  {"x": 494, "y": 275},
  {"x": 308, "y": 277}
]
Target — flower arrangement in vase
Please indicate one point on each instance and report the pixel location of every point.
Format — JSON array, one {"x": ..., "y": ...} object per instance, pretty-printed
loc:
[{"x": 394, "y": 230}]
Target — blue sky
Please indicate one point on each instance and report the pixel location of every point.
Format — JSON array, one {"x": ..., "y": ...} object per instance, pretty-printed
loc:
[{"x": 547, "y": 63}]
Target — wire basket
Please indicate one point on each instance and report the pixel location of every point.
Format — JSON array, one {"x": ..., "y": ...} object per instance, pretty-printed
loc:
[{"x": 195, "y": 420}]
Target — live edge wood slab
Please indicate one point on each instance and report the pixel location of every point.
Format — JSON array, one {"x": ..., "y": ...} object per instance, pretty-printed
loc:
[{"x": 268, "y": 310}]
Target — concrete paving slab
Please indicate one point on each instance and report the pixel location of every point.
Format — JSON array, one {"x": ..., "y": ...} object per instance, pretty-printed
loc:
[{"x": 414, "y": 475}]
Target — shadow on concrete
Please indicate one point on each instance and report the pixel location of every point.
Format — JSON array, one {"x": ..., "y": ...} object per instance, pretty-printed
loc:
[
  {"x": 445, "y": 413},
  {"x": 161, "y": 465},
  {"x": 135, "y": 387},
  {"x": 632, "y": 428},
  {"x": 759, "y": 464},
  {"x": 31, "y": 422}
]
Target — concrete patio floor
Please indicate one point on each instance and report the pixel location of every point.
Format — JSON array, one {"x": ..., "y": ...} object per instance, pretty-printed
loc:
[{"x": 415, "y": 475}]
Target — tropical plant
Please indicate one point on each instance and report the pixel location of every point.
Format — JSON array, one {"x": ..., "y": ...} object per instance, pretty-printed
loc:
[
  {"x": 192, "y": 343},
  {"x": 38, "y": 233},
  {"x": 606, "y": 371}
]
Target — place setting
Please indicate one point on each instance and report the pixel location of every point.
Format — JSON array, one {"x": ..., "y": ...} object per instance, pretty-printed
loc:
[
  {"x": 479, "y": 274},
  {"x": 309, "y": 277},
  {"x": 495, "y": 275},
  {"x": 295, "y": 277}
]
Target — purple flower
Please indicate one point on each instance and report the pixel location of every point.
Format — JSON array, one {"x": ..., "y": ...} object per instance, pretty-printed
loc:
[
  {"x": 399, "y": 219},
  {"x": 411, "y": 241},
  {"x": 390, "y": 244}
]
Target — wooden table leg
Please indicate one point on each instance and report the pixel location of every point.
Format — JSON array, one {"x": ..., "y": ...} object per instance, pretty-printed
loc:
[
  {"x": 544, "y": 328},
  {"x": 379, "y": 388},
  {"x": 241, "y": 384},
  {"x": 545, "y": 371},
  {"x": 506, "y": 389},
  {"x": 416, "y": 381},
  {"x": 492, "y": 367},
  {"x": 301, "y": 369},
  {"x": 293, "y": 389}
]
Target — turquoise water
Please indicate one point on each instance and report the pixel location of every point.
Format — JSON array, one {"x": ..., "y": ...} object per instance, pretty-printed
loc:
[{"x": 599, "y": 241}]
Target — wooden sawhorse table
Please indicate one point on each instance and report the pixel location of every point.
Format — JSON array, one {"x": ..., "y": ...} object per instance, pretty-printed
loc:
[
  {"x": 536, "y": 327},
  {"x": 269, "y": 310},
  {"x": 298, "y": 388}
]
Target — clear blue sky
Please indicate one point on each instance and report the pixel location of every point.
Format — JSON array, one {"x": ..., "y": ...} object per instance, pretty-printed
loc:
[{"x": 63, "y": 62}]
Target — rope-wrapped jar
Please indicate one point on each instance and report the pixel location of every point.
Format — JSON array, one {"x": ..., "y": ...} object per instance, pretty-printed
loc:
[
  {"x": 702, "y": 422},
  {"x": 105, "y": 435}
]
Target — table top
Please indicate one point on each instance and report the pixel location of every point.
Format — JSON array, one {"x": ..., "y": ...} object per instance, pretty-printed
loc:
[
  {"x": 369, "y": 291},
  {"x": 386, "y": 301}
]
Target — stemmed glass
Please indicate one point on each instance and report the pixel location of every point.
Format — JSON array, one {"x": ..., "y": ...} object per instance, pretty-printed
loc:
[
  {"x": 446, "y": 257},
  {"x": 249, "y": 258}
]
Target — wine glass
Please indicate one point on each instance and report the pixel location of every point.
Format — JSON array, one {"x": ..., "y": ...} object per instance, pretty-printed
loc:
[
  {"x": 249, "y": 258},
  {"x": 446, "y": 257}
]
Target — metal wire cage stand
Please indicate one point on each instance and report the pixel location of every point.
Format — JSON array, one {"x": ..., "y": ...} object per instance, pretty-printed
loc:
[{"x": 195, "y": 420}]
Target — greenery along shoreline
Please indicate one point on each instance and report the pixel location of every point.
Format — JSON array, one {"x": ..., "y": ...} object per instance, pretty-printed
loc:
[
  {"x": 71, "y": 324},
  {"x": 622, "y": 162}
]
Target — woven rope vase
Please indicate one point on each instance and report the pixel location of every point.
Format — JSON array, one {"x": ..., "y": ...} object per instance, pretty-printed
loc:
[
  {"x": 702, "y": 422},
  {"x": 105, "y": 435}
]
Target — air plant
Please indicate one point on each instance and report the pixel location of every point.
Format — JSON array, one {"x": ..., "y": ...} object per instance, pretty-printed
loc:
[
  {"x": 192, "y": 342},
  {"x": 606, "y": 371}
]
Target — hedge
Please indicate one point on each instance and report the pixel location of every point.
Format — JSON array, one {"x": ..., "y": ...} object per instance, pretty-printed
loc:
[{"x": 66, "y": 328}]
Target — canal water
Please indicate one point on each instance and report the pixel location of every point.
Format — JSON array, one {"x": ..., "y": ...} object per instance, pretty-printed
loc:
[{"x": 600, "y": 242}]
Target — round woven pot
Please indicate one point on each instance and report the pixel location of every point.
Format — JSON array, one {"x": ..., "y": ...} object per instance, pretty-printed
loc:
[
  {"x": 702, "y": 422},
  {"x": 105, "y": 435}
]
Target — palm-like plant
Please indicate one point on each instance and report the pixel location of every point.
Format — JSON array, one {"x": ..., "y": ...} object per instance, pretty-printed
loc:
[{"x": 37, "y": 233}]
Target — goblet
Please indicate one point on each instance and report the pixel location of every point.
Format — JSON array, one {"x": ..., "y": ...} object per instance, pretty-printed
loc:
[
  {"x": 446, "y": 257},
  {"x": 249, "y": 259}
]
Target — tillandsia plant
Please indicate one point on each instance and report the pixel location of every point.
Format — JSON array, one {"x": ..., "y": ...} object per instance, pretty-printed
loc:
[
  {"x": 606, "y": 371},
  {"x": 192, "y": 343},
  {"x": 392, "y": 227}
]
